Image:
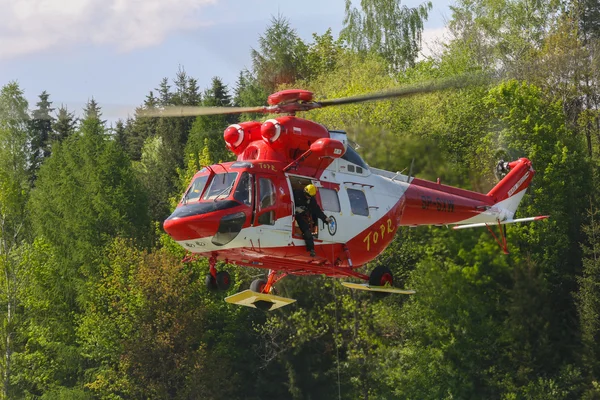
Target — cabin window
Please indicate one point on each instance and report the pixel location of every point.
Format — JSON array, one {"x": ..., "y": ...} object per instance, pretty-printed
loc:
[
  {"x": 329, "y": 200},
  {"x": 350, "y": 168},
  {"x": 220, "y": 186},
  {"x": 358, "y": 202}
]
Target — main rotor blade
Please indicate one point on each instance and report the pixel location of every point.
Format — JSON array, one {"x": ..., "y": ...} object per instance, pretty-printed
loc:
[
  {"x": 425, "y": 87},
  {"x": 191, "y": 111}
]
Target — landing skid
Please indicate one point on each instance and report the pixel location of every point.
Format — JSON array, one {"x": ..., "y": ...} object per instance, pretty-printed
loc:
[
  {"x": 262, "y": 301},
  {"x": 385, "y": 289}
]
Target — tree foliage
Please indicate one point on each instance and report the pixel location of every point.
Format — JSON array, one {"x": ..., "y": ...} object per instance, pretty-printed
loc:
[
  {"x": 387, "y": 28},
  {"x": 280, "y": 57}
]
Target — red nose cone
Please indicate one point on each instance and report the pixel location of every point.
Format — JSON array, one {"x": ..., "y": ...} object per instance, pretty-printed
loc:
[
  {"x": 268, "y": 131},
  {"x": 232, "y": 136},
  {"x": 192, "y": 227}
]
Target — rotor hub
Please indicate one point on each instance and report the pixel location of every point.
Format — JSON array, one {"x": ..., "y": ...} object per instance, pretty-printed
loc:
[{"x": 290, "y": 96}]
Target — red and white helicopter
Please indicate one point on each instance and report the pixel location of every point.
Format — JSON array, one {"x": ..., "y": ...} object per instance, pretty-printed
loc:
[{"x": 242, "y": 212}]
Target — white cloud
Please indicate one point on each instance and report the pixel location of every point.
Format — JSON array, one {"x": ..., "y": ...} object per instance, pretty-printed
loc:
[
  {"x": 433, "y": 41},
  {"x": 29, "y": 26}
]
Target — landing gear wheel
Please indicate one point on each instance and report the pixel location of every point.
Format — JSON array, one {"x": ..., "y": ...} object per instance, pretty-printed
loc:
[
  {"x": 258, "y": 285},
  {"x": 381, "y": 276},
  {"x": 223, "y": 280},
  {"x": 211, "y": 283}
]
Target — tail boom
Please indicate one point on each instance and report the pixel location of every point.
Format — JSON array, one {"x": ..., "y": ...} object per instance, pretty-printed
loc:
[{"x": 430, "y": 203}]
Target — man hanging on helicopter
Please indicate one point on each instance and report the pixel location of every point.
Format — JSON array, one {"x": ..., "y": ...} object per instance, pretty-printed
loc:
[{"x": 307, "y": 212}]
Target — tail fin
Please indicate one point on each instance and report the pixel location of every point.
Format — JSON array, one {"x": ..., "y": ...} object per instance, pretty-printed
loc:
[{"x": 511, "y": 188}]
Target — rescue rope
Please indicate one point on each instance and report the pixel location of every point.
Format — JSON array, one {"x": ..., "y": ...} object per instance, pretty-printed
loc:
[{"x": 337, "y": 348}]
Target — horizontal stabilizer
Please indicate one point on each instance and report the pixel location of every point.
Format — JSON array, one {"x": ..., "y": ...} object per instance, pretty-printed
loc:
[
  {"x": 262, "y": 301},
  {"x": 386, "y": 289},
  {"x": 508, "y": 221}
]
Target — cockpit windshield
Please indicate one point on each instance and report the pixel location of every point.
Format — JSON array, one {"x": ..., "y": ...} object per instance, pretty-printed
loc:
[
  {"x": 220, "y": 186},
  {"x": 196, "y": 189}
]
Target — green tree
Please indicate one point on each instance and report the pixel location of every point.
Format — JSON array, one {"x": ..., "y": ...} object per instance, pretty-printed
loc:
[
  {"x": 157, "y": 184},
  {"x": 64, "y": 125},
  {"x": 588, "y": 13},
  {"x": 588, "y": 297},
  {"x": 93, "y": 110},
  {"x": 281, "y": 55},
  {"x": 386, "y": 28},
  {"x": 208, "y": 130},
  {"x": 503, "y": 35},
  {"x": 120, "y": 134},
  {"x": 14, "y": 194},
  {"x": 248, "y": 93},
  {"x": 40, "y": 133},
  {"x": 322, "y": 54},
  {"x": 140, "y": 312},
  {"x": 87, "y": 192},
  {"x": 48, "y": 363}
]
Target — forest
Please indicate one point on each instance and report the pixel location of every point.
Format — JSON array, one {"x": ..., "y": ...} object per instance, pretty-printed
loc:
[{"x": 96, "y": 303}]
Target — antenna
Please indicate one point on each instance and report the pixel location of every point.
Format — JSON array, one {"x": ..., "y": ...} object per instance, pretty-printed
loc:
[{"x": 410, "y": 171}]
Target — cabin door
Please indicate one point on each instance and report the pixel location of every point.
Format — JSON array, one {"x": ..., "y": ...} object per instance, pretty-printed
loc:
[{"x": 272, "y": 230}]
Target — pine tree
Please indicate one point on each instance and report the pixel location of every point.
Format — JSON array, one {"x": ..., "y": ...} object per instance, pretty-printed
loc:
[
  {"x": 192, "y": 96},
  {"x": 64, "y": 125},
  {"x": 164, "y": 92},
  {"x": 86, "y": 193},
  {"x": 151, "y": 101},
  {"x": 281, "y": 55},
  {"x": 93, "y": 110},
  {"x": 120, "y": 134},
  {"x": 208, "y": 129},
  {"x": 248, "y": 93},
  {"x": 40, "y": 133}
]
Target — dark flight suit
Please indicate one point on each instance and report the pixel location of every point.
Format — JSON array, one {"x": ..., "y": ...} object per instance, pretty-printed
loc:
[{"x": 311, "y": 210}]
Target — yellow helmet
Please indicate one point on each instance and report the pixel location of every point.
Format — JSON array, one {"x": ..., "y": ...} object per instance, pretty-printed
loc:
[{"x": 310, "y": 190}]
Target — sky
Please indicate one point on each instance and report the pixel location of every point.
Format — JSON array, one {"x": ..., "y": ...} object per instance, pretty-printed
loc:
[{"x": 116, "y": 51}]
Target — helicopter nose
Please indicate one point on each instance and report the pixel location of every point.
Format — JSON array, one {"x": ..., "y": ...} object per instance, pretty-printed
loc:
[
  {"x": 193, "y": 226},
  {"x": 200, "y": 220}
]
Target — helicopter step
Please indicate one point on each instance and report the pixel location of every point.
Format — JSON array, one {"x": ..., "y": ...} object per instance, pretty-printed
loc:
[
  {"x": 262, "y": 301},
  {"x": 372, "y": 288}
]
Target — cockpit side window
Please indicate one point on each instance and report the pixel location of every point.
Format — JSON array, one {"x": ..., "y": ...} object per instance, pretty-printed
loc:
[
  {"x": 195, "y": 190},
  {"x": 243, "y": 191},
  {"x": 220, "y": 186},
  {"x": 267, "y": 193}
]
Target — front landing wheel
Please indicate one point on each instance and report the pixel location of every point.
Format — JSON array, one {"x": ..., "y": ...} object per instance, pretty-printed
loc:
[{"x": 258, "y": 285}]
